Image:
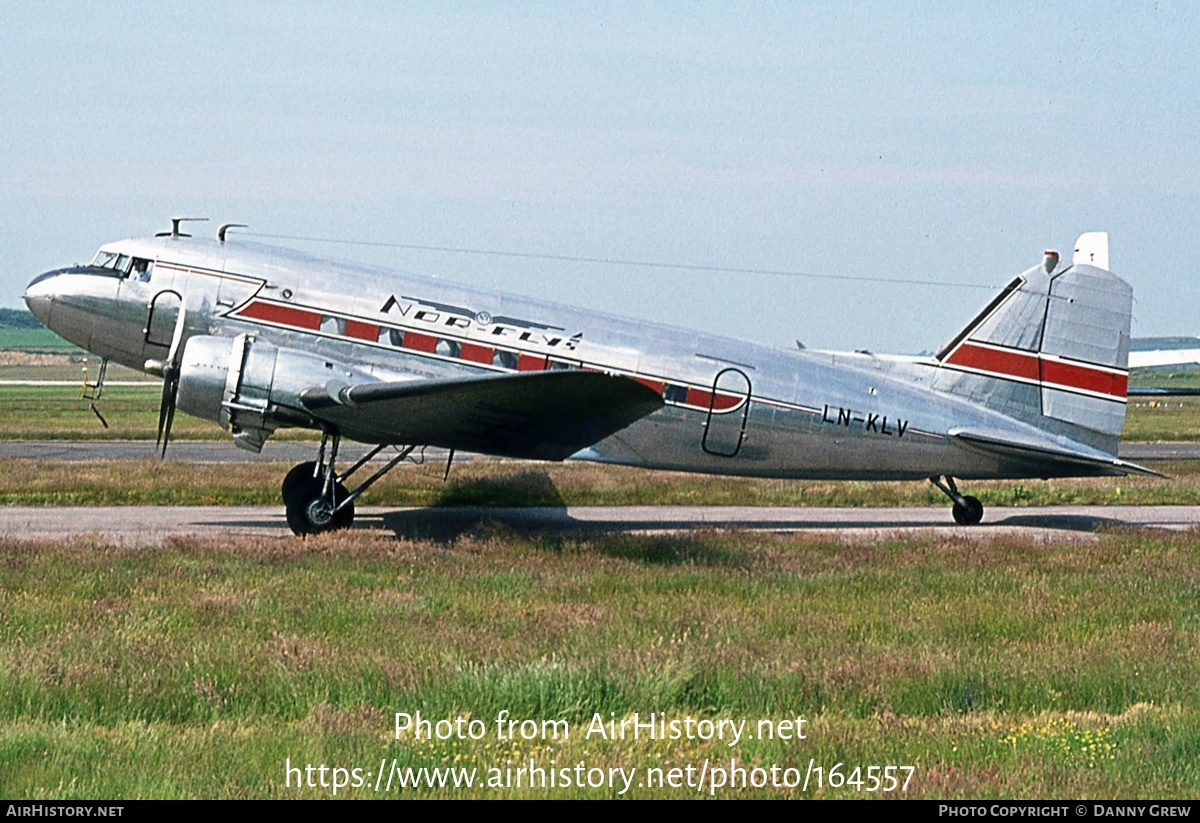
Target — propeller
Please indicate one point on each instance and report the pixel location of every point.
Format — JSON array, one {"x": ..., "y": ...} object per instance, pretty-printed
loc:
[{"x": 170, "y": 376}]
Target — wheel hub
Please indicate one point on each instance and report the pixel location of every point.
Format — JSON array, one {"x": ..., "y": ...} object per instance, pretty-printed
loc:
[{"x": 320, "y": 512}]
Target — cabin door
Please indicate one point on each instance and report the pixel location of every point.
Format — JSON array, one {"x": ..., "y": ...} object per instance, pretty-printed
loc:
[
  {"x": 728, "y": 410},
  {"x": 160, "y": 322}
]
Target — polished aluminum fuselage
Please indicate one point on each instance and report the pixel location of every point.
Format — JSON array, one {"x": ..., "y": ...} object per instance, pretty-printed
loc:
[{"x": 730, "y": 407}]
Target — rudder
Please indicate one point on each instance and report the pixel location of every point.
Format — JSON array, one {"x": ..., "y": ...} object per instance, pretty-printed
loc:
[{"x": 1051, "y": 349}]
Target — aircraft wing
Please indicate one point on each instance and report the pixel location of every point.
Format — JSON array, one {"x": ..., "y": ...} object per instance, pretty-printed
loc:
[
  {"x": 541, "y": 415},
  {"x": 1051, "y": 454},
  {"x": 1157, "y": 358},
  {"x": 1155, "y": 391}
]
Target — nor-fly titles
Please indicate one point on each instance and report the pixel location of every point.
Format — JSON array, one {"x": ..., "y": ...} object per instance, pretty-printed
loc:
[{"x": 658, "y": 727}]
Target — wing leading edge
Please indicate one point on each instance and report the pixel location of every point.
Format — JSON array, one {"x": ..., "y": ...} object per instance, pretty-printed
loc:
[{"x": 539, "y": 415}]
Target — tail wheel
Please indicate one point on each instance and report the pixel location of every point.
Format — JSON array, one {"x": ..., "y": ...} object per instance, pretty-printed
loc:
[{"x": 969, "y": 514}]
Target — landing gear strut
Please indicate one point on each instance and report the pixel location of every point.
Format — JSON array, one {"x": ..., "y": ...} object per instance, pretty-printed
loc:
[
  {"x": 315, "y": 496},
  {"x": 967, "y": 511}
]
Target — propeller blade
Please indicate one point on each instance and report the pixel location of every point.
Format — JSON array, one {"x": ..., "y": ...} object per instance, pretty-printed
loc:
[
  {"x": 180, "y": 325},
  {"x": 167, "y": 429},
  {"x": 166, "y": 410}
]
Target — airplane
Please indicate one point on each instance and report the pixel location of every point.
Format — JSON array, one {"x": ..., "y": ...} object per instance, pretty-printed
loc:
[
  {"x": 257, "y": 338},
  {"x": 1158, "y": 353}
]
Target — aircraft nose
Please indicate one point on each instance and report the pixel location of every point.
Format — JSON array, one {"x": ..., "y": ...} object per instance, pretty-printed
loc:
[{"x": 39, "y": 295}]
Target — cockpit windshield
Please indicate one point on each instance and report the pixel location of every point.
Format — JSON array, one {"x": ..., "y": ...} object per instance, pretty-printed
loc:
[
  {"x": 105, "y": 259},
  {"x": 122, "y": 265}
]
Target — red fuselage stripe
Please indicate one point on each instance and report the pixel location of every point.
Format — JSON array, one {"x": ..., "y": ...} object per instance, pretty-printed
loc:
[
  {"x": 472, "y": 352},
  {"x": 1008, "y": 363},
  {"x": 1029, "y": 366},
  {"x": 420, "y": 342},
  {"x": 361, "y": 330},
  {"x": 528, "y": 362},
  {"x": 284, "y": 315},
  {"x": 477, "y": 353},
  {"x": 1082, "y": 377}
]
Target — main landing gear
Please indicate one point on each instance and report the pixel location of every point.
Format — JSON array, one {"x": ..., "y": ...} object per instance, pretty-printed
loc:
[
  {"x": 967, "y": 511},
  {"x": 315, "y": 495}
]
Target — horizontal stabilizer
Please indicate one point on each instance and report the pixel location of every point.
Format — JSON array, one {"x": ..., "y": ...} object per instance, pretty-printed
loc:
[
  {"x": 1047, "y": 453},
  {"x": 539, "y": 415}
]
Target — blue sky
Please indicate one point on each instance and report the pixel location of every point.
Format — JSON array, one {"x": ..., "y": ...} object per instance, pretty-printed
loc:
[{"x": 932, "y": 142}]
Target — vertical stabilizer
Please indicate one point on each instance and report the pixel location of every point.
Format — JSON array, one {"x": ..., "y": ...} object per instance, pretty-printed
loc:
[
  {"x": 1092, "y": 249},
  {"x": 1052, "y": 348}
]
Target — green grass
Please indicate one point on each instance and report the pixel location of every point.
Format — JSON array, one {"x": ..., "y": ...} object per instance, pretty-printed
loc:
[
  {"x": 1000, "y": 668},
  {"x": 71, "y": 369},
  {"x": 59, "y": 413},
  {"x": 1173, "y": 378},
  {"x": 1169, "y": 418},
  {"x": 35, "y": 340}
]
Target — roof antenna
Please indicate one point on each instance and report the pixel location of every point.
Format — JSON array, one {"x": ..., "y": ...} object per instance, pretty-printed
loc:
[
  {"x": 175, "y": 221},
  {"x": 226, "y": 227},
  {"x": 1050, "y": 261}
]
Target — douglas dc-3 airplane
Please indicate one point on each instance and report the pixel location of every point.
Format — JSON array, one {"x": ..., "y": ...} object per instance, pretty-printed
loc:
[{"x": 257, "y": 338}]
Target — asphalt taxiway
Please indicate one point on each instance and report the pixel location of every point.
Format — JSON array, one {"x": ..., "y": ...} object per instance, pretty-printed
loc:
[{"x": 155, "y": 525}]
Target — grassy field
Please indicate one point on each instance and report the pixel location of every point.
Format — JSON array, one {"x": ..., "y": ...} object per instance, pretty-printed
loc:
[
  {"x": 1173, "y": 378},
  {"x": 1166, "y": 419},
  {"x": 35, "y": 340},
  {"x": 995, "y": 668},
  {"x": 1001, "y": 668},
  {"x": 24, "y": 366},
  {"x": 58, "y": 413}
]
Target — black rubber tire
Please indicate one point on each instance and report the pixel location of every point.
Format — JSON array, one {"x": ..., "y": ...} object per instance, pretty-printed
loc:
[
  {"x": 301, "y": 471},
  {"x": 344, "y": 518},
  {"x": 969, "y": 515},
  {"x": 301, "y": 495}
]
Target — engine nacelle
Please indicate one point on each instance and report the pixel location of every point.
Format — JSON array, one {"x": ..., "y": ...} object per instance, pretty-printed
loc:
[{"x": 251, "y": 387}]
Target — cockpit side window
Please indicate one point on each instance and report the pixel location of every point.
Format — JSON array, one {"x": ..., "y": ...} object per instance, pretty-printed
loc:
[{"x": 141, "y": 268}]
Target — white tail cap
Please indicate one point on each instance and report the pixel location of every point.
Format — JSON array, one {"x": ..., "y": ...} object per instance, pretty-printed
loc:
[{"x": 1092, "y": 249}]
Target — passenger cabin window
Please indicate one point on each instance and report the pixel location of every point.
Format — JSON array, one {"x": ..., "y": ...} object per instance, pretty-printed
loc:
[
  {"x": 673, "y": 393},
  {"x": 507, "y": 359},
  {"x": 333, "y": 325}
]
